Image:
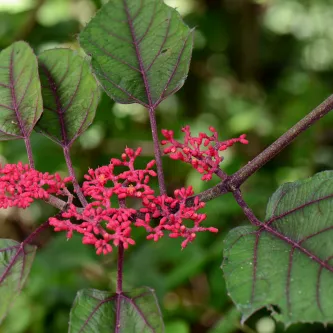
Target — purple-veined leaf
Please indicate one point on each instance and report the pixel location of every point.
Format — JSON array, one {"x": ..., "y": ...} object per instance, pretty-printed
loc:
[
  {"x": 287, "y": 262},
  {"x": 70, "y": 94},
  {"x": 20, "y": 92},
  {"x": 140, "y": 49},
  {"x": 15, "y": 263},
  {"x": 103, "y": 312}
]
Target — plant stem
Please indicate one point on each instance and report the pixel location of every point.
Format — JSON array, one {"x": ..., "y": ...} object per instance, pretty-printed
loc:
[
  {"x": 122, "y": 204},
  {"x": 238, "y": 178},
  {"x": 77, "y": 187},
  {"x": 29, "y": 152},
  {"x": 210, "y": 194},
  {"x": 246, "y": 209},
  {"x": 35, "y": 233},
  {"x": 283, "y": 141},
  {"x": 56, "y": 202},
  {"x": 157, "y": 151},
  {"x": 120, "y": 268}
]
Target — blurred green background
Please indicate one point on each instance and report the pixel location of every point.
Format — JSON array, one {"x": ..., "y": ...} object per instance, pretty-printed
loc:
[{"x": 258, "y": 67}]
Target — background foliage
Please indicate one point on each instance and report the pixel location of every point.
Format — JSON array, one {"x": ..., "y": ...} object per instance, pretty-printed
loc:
[{"x": 258, "y": 66}]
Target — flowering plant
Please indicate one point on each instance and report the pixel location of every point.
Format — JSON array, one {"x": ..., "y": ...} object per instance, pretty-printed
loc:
[{"x": 57, "y": 95}]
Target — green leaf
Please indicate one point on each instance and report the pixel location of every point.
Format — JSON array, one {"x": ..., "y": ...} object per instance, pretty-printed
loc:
[
  {"x": 286, "y": 264},
  {"x": 15, "y": 264},
  {"x": 104, "y": 312},
  {"x": 229, "y": 322},
  {"x": 70, "y": 95},
  {"x": 20, "y": 92},
  {"x": 140, "y": 50}
]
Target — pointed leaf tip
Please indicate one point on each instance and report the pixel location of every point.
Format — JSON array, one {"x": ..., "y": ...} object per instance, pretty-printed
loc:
[
  {"x": 20, "y": 92},
  {"x": 141, "y": 50}
]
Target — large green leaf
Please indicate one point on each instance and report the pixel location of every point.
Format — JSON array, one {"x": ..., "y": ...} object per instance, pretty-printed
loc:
[
  {"x": 70, "y": 95},
  {"x": 140, "y": 50},
  {"x": 104, "y": 312},
  {"x": 229, "y": 323},
  {"x": 287, "y": 262},
  {"x": 20, "y": 92},
  {"x": 15, "y": 263}
]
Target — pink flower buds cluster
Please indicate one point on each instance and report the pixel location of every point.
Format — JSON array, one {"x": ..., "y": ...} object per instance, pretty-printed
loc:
[
  {"x": 102, "y": 224},
  {"x": 202, "y": 152},
  {"x": 172, "y": 213},
  {"x": 20, "y": 185}
]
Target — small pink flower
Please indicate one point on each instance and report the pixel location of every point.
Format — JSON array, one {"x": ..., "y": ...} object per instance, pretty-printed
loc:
[
  {"x": 201, "y": 152},
  {"x": 20, "y": 185}
]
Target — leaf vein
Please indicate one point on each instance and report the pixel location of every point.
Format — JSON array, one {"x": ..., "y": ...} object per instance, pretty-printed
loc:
[
  {"x": 162, "y": 45},
  {"x": 139, "y": 312},
  {"x": 121, "y": 88},
  {"x": 110, "y": 33},
  {"x": 278, "y": 217},
  {"x": 174, "y": 71},
  {"x": 84, "y": 120},
  {"x": 149, "y": 24},
  {"x": 114, "y": 57}
]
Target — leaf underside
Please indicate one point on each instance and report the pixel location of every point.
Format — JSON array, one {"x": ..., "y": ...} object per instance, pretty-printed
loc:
[
  {"x": 15, "y": 264},
  {"x": 20, "y": 92},
  {"x": 104, "y": 312},
  {"x": 140, "y": 49},
  {"x": 288, "y": 261},
  {"x": 70, "y": 95}
]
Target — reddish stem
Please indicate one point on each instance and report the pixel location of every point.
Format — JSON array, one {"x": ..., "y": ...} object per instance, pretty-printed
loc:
[
  {"x": 29, "y": 152},
  {"x": 120, "y": 268},
  {"x": 246, "y": 209},
  {"x": 237, "y": 179},
  {"x": 35, "y": 233},
  {"x": 122, "y": 204},
  {"x": 71, "y": 171},
  {"x": 157, "y": 151},
  {"x": 234, "y": 181},
  {"x": 283, "y": 141}
]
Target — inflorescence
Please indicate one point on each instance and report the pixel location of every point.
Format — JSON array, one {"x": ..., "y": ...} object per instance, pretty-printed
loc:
[
  {"x": 202, "y": 152},
  {"x": 106, "y": 220},
  {"x": 20, "y": 185}
]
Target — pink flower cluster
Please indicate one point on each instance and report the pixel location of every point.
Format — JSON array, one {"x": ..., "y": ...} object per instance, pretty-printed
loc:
[
  {"x": 202, "y": 152},
  {"x": 162, "y": 208},
  {"x": 106, "y": 220},
  {"x": 101, "y": 223},
  {"x": 20, "y": 185}
]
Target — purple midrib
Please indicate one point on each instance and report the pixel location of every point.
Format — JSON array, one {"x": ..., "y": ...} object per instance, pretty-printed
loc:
[
  {"x": 267, "y": 227},
  {"x": 118, "y": 306},
  {"x": 13, "y": 94},
  {"x": 59, "y": 106},
  {"x": 139, "y": 57}
]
